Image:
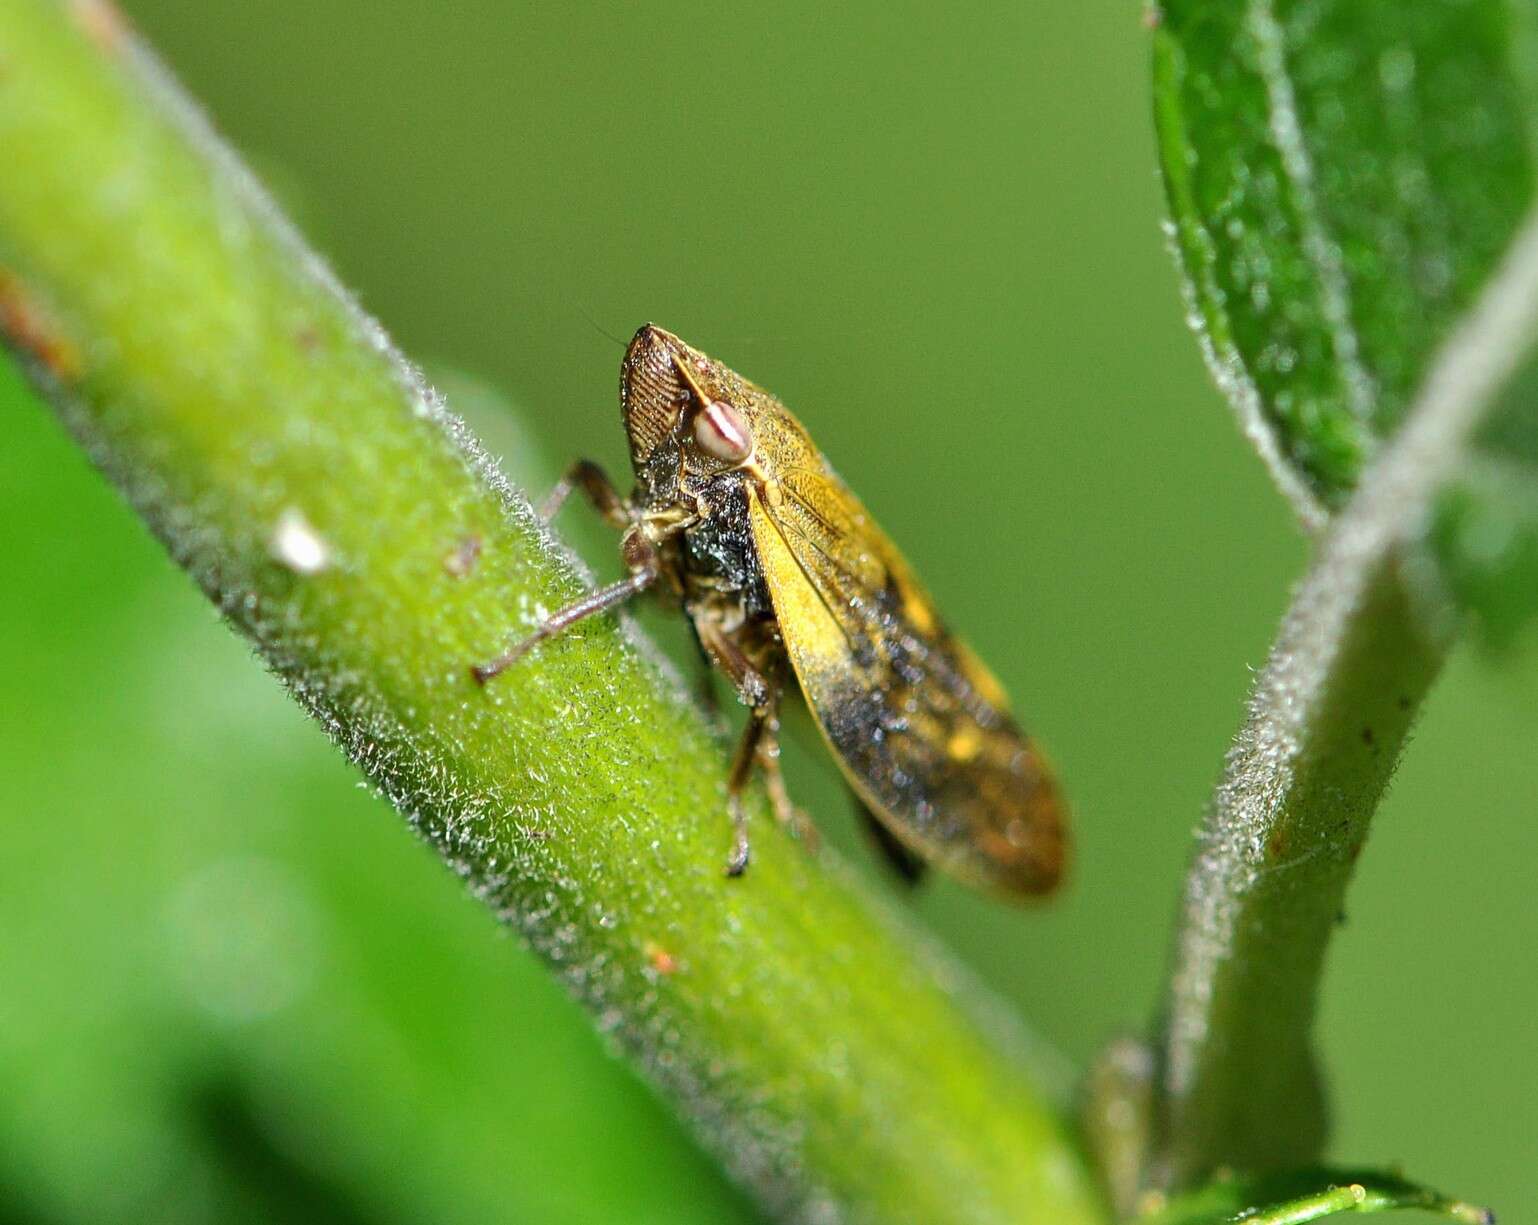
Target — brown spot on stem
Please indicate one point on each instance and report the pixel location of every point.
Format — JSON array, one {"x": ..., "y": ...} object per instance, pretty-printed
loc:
[
  {"x": 1153, "y": 17},
  {"x": 102, "y": 22},
  {"x": 460, "y": 562},
  {"x": 660, "y": 960},
  {"x": 1368, "y": 738},
  {"x": 31, "y": 329}
]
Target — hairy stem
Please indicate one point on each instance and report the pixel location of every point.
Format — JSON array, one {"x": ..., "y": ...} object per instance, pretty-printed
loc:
[
  {"x": 1328, "y": 719},
  {"x": 343, "y": 521}
]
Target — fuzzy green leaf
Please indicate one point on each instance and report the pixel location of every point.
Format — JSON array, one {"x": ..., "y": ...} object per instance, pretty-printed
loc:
[
  {"x": 1308, "y": 1195},
  {"x": 1343, "y": 177}
]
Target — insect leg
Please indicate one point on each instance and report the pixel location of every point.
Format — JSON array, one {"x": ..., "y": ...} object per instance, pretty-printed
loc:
[
  {"x": 707, "y": 687},
  {"x": 595, "y": 485},
  {"x": 904, "y": 862},
  {"x": 736, "y": 781},
  {"x": 785, "y": 812},
  {"x": 760, "y": 742},
  {"x": 724, "y": 651},
  {"x": 595, "y": 602}
]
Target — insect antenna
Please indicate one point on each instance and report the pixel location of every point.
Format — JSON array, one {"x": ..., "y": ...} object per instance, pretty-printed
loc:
[{"x": 598, "y": 327}]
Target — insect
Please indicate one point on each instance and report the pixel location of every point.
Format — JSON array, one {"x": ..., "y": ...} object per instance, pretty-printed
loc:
[{"x": 738, "y": 519}]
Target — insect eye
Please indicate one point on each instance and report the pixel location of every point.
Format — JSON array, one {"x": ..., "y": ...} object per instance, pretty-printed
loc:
[{"x": 722, "y": 432}]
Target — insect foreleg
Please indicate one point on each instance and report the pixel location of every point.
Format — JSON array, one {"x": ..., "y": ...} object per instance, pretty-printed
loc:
[
  {"x": 596, "y": 486},
  {"x": 640, "y": 556}
]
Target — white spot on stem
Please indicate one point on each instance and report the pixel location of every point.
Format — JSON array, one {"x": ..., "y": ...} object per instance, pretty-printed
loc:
[{"x": 297, "y": 545}]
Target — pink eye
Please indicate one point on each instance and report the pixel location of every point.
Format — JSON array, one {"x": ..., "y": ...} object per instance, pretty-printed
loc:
[{"x": 721, "y": 431}]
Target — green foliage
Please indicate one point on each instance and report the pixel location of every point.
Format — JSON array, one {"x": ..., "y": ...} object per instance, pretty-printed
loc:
[
  {"x": 1484, "y": 531},
  {"x": 1351, "y": 185},
  {"x": 1308, "y": 1195},
  {"x": 1343, "y": 178}
]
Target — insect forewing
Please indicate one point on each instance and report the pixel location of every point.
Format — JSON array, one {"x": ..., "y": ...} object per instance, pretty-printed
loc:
[{"x": 919, "y": 727}]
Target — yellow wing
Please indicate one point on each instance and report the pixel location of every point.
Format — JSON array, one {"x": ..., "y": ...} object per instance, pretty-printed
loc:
[{"x": 918, "y": 725}]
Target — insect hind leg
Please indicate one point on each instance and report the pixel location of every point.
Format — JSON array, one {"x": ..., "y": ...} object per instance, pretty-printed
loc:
[
  {"x": 785, "y": 810},
  {"x": 760, "y": 743},
  {"x": 760, "y": 746},
  {"x": 906, "y": 864},
  {"x": 736, "y": 783}
]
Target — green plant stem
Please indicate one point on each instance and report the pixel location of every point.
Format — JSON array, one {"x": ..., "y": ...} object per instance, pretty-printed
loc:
[
  {"x": 1328, "y": 719},
  {"x": 340, "y": 518}
]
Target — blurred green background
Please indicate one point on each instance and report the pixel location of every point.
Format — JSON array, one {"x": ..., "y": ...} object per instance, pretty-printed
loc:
[{"x": 232, "y": 986}]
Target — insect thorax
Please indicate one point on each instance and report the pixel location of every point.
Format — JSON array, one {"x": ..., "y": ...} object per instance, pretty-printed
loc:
[{"x": 718, "y": 550}]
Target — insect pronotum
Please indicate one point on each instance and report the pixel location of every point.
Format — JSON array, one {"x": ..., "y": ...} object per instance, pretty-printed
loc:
[{"x": 737, "y": 518}]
